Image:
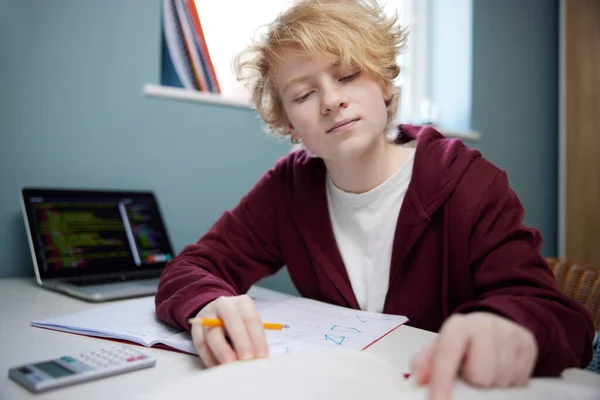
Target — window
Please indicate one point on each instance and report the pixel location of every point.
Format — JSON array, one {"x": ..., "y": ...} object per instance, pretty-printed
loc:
[{"x": 226, "y": 37}]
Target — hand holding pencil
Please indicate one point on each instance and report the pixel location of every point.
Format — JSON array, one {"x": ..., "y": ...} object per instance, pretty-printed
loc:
[
  {"x": 229, "y": 329},
  {"x": 208, "y": 322}
]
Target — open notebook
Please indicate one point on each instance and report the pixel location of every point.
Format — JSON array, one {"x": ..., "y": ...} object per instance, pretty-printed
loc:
[
  {"x": 313, "y": 324},
  {"x": 345, "y": 375}
]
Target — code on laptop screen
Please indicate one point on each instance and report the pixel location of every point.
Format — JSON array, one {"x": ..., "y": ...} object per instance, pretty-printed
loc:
[{"x": 96, "y": 232}]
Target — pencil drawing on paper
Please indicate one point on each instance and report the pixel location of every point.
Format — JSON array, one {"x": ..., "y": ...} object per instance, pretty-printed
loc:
[
  {"x": 336, "y": 339},
  {"x": 340, "y": 328}
]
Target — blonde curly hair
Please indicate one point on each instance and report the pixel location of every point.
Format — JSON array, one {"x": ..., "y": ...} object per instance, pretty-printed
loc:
[{"x": 353, "y": 33}]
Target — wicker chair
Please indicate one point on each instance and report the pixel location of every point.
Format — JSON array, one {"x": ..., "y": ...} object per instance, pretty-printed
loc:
[{"x": 580, "y": 282}]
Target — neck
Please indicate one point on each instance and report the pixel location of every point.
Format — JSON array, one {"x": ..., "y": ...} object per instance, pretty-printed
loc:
[{"x": 370, "y": 169}]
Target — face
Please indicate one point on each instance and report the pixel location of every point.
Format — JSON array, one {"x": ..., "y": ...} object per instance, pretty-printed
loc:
[{"x": 338, "y": 114}]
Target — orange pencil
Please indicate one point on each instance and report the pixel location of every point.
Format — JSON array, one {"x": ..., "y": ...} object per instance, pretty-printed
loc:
[{"x": 219, "y": 322}]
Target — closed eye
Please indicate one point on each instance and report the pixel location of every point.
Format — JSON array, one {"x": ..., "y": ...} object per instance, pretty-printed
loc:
[
  {"x": 349, "y": 77},
  {"x": 303, "y": 97}
]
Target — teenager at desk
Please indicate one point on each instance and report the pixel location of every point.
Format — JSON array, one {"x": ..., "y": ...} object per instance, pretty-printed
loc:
[{"x": 373, "y": 216}]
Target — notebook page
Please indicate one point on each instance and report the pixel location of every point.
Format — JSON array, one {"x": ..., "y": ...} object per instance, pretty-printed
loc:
[
  {"x": 133, "y": 320},
  {"x": 313, "y": 323},
  {"x": 263, "y": 298},
  {"x": 348, "y": 375},
  {"x": 322, "y": 374}
]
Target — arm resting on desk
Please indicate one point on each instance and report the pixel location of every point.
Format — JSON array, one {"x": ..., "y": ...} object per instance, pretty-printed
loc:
[
  {"x": 514, "y": 281},
  {"x": 240, "y": 249}
]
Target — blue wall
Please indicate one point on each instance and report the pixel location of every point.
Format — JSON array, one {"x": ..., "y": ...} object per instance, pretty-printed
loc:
[
  {"x": 72, "y": 114},
  {"x": 515, "y": 101},
  {"x": 510, "y": 49}
]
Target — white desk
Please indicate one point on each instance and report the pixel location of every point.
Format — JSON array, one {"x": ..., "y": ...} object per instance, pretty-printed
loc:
[{"x": 22, "y": 301}]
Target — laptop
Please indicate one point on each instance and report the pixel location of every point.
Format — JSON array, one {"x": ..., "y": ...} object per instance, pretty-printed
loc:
[{"x": 96, "y": 245}]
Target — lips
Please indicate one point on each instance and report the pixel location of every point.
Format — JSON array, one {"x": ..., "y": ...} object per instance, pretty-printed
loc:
[{"x": 342, "y": 123}]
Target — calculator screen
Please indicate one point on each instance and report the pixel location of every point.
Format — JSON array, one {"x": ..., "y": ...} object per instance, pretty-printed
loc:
[{"x": 53, "y": 369}]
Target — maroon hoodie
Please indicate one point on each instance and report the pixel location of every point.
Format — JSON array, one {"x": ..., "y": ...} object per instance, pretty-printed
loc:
[{"x": 459, "y": 247}]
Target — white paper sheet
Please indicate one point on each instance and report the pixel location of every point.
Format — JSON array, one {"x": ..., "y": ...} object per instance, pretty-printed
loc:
[
  {"x": 312, "y": 324},
  {"x": 347, "y": 375}
]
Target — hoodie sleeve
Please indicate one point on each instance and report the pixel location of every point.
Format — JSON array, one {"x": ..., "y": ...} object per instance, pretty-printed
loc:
[
  {"x": 513, "y": 280},
  {"x": 238, "y": 250}
]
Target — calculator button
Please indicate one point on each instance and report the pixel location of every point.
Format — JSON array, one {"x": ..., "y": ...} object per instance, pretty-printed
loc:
[
  {"x": 131, "y": 359},
  {"x": 87, "y": 363}
]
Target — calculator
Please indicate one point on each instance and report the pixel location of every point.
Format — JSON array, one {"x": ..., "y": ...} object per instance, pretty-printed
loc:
[{"x": 68, "y": 370}]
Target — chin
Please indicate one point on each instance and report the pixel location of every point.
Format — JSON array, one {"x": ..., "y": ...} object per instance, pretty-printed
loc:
[{"x": 354, "y": 146}]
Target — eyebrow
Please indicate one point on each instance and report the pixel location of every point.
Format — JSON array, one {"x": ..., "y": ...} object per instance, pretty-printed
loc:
[
  {"x": 303, "y": 78},
  {"x": 297, "y": 79}
]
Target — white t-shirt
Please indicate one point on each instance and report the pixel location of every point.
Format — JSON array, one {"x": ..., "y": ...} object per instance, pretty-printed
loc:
[{"x": 364, "y": 226}]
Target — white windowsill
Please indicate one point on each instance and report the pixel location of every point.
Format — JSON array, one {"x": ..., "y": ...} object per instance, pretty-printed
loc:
[
  {"x": 167, "y": 92},
  {"x": 463, "y": 135}
]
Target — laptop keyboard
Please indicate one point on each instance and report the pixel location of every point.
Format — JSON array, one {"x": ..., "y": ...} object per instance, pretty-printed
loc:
[{"x": 99, "y": 280}]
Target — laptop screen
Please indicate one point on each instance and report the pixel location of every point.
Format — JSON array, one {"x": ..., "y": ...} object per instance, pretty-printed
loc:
[{"x": 79, "y": 233}]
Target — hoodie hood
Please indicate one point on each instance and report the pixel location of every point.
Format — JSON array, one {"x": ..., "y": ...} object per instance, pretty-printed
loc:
[{"x": 440, "y": 164}]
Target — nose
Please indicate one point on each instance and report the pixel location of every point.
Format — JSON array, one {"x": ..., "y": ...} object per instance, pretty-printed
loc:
[{"x": 332, "y": 98}]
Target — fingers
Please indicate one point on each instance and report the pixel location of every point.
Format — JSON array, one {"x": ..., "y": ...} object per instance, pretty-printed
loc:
[
  {"x": 507, "y": 363},
  {"x": 450, "y": 349},
  {"x": 483, "y": 356},
  {"x": 502, "y": 353},
  {"x": 241, "y": 338},
  {"x": 235, "y": 324},
  {"x": 254, "y": 327},
  {"x": 201, "y": 346},
  {"x": 207, "y": 356},
  {"x": 514, "y": 353},
  {"x": 527, "y": 356},
  {"x": 218, "y": 345},
  {"x": 421, "y": 364},
  {"x": 487, "y": 351}
]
